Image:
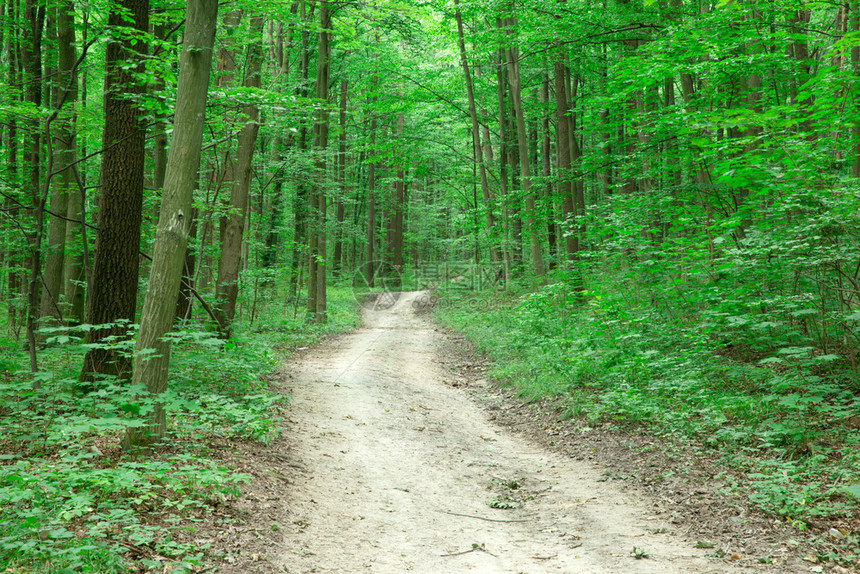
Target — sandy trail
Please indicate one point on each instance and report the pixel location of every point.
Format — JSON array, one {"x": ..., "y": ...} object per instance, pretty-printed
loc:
[{"x": 400, "y": 469}]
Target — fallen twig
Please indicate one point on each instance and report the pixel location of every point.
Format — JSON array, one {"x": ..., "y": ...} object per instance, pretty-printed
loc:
[
  {"x": 475, "y": 547},
  {"x": 481, "y": 517}
]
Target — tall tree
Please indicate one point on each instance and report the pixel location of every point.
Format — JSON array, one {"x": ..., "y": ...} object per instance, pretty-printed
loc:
[
  {"x": 514, "y": 83},
  {"x": 31, "y": 57},
  {"x": 227, "y": 290},
  {"x": 152, "y": 356},
  {"x": 318, "y": 255},
  {"x": 64, "y": 95},
  {"x": 112, "y": 297},
  {"x": 337, "y": 255},
  {"x": 477, "y": 152}
]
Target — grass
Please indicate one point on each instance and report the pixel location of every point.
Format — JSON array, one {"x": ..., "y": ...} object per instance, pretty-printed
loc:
[
  {"x": 71, "y": 501},
  {"x": 607, "y": 361}
]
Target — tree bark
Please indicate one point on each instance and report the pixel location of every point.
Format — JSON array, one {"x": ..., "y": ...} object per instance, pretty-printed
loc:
[
  {"x": 65, "y": 93},
  {"x": 512, "y": 54},
  {"x": 300, "y": 203},
  {"x": 32, "y": 65},
  {"x": 227, "y": 289},
  {"x": 508, "y": 252},
  {"x": 11, "y": 207},
  {"x": 337, "y": 255},
  {"x": 565, "y": 174},
  {"x": 320, "y": 176},
  {"x": 477, "y": 153},
  {"x": 370, "y": 274},
  {"x": 854, "y": 26},
  {"x": 112, "y": 297},
  {"x": 546, "y": 164},
  {"x": 152, "y": 354}
]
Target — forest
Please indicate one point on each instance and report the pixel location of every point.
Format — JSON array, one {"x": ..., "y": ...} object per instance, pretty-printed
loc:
[{"x": 646, "y": 212}]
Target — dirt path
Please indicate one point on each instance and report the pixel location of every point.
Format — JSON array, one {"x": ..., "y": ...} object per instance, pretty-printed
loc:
[{"x": 399, "y": 469}]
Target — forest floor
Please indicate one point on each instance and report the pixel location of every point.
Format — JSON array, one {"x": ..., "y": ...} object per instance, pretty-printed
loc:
[{"x": 399, "y": 456}]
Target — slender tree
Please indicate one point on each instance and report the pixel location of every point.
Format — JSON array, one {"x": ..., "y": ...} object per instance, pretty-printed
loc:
[
  {"x": 227, "y": 290},
  {"x": 152, "y": 356}
]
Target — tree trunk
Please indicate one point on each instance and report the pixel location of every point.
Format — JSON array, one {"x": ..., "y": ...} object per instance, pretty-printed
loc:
[
  {"x": 32, "y": 64},
  {"x": 546, "y": 164},
  {"x": 227, "y": 289},
  {"x": 11, "y": 207},
  {"x": 186, "y": 284},
  {"x": 565, "y": 175},
  {"x": 300, "y": 203},
  {"x": 65, "y": 93},
  {"x": 508, "y": 253},
  {"x": 477, "y": 153},
  {"x": 341, "y": 171},
  {"x": 512, "y": 54},
  {"x": 370, "y": 274},
  {"x": 112, "y": 297},
  {"x": 854, "y": 23},
  {"x": 183, "y": 162},
  {"x": 320, "y": 145}
]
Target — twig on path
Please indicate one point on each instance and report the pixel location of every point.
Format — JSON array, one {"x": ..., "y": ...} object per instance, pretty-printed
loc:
[
  {"x": 475, "y": 547},
  {"x": 481, "y": 517},
  {"x": 545, "y": 557}
]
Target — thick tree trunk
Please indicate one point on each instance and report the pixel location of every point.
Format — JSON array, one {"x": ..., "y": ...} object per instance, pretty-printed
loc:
[
  {"x": 112, "y": 297},
  {"x": 227, "y": 289},
  {"x": 153, "y": 352}
]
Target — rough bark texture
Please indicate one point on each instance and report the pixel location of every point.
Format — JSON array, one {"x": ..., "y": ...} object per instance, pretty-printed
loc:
[
  {"x": 152, "y": 351},
  {"x": 112, "y": 297}
]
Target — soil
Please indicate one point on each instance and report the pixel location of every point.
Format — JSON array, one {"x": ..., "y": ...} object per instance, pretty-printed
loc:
[{"x": 399, "y": 456}]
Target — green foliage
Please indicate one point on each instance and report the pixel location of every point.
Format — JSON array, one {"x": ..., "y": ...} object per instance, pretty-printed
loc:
[
  {"x": 71, "y": 501},
  {"x": 682, "y": 371}
]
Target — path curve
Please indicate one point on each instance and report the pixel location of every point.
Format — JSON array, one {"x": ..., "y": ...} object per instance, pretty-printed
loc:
[{"x": 400, "y": 469}]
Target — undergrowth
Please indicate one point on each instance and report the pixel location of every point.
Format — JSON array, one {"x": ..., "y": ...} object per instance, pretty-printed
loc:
[
  {"x": 72, "y": 501},
  {"x": 786, "y": 415}
]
